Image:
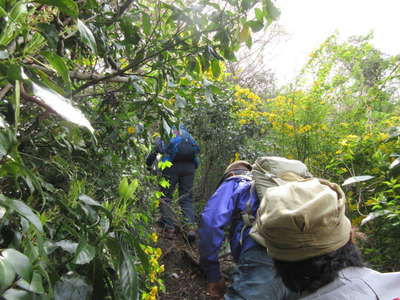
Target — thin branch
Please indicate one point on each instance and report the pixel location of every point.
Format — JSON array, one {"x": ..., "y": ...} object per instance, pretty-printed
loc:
[
  {"x": 5, "y": 90},
  {"x": 123, "y": 70},
  {"x": 34, "y": 99}
]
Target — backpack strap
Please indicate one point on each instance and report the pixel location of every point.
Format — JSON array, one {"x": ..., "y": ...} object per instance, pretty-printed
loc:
[{"x": 246, "y": 215}]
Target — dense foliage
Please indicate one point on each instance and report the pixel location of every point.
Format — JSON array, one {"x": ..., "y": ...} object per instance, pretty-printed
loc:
[
  {"x": 76, "y": 205},
  {"x": 85, "y": 86}
]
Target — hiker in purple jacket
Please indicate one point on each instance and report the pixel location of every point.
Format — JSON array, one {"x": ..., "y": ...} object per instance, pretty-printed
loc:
[{"x": 254, "y": 277}]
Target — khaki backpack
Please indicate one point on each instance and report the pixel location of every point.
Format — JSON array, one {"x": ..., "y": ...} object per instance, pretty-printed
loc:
[{"x": 273, "y": 171}]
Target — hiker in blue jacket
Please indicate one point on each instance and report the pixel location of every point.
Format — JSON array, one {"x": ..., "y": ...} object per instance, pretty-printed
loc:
[
  {"x": 254, "y": 277},
  {"x": 183, "y": 151}
]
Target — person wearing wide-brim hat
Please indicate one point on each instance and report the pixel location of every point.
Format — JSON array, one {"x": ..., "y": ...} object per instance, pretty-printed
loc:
[{"x": 310, "y": 241}]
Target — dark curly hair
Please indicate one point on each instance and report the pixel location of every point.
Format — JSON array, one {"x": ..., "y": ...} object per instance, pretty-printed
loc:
[{"x": 310, "y": 274}]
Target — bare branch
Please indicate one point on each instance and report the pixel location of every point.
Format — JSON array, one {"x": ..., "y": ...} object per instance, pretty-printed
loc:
[{"x": 5, "y": 90}]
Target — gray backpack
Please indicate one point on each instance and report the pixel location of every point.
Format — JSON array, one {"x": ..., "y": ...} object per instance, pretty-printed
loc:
[{"x": 268, "y": 172}]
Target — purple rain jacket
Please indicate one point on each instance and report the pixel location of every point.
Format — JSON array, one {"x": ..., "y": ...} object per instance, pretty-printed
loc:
[{"x": 223, "y": 209}]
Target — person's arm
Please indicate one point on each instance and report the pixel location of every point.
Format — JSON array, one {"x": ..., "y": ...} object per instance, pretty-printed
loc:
[
  {"x": 151, "y": 158},
  {"x": 158, "y": 148},
  {"x": 216, "y": 215}
]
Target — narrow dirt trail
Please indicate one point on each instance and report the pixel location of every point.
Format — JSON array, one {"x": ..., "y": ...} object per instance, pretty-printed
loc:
[{"x": 183, "y": 277}]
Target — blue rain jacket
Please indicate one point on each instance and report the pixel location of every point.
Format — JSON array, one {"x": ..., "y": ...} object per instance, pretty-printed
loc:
[
  {"x": 179, "y": 135},
  {"x": 164, "y": 148},
  {"x": 223, "y": 209}
]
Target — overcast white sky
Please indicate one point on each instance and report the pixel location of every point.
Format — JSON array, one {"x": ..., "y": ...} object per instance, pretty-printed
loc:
[{"x": 310, "y": 22}]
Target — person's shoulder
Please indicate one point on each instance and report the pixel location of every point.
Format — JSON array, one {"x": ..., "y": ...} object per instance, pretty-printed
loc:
[
  {"x": 239, "y": 178},
  {"x": 241, "y": 183}
]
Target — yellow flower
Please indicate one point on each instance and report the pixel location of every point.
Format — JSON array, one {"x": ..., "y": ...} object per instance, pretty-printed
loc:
[
  {"x": 154, "y": 237},
  {"x": 131, "y": 130},
  {"x": 371, "y": 202},
  {"x": 304, "y": 128},
  {"x": 375, "y": 171},
  {"x": 152, "y": 277},
  {"x": 153, "y": 262},
  {"x": 383, "y": 136},
  {"x": 158, "y": 252},
  {"x": 161, "y": 269},
  {"x": 154, "y": 290},
  {"x": 352, "y": 137}
]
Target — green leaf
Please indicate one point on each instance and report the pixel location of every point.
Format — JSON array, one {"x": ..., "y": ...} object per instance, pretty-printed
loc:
[
  {"x": 8, "y": 141},
  {"x": 180, "y": 101},
  {"x": 164, "y": 164},
  {"x": 61, "y": 105},
  {"x": 164, "y": 183},
  {"x": 87, "y": 36},
  {"x": 373, "y": 215},
  {"x": 356, "y": 179},
  {"x": 16, "y": 104},
  {"x": 12, "y": 26},
  {"x": 3, "y": 13},
  {"x": 18, "y": 12},
  {"x": 128, "y": 277},
  {"x": 395, "y": 167},
  {"x": 14, "y": 72},
  {"x": 59, "y": 65},
  {"x": 13, "y": 294},
  {"x": 270, "y": 10},
  {"x": 146, "y": 23},
  {"x": 216, "y": 68},
  {"x": 26, "y": 212},
  {"x": 7, "y": 274},
  {"x": 209, "y": 96},
  {"x": 68, "y": 7},
  {"x": 144, "y": 258},
  {"x": 89, "y": 201},
  {"x": 72, "y": 287},
  {"x": 256, "y": 25},
  {"x": 2, "y": 212},
  {"x": 50, "y": 33},
  {"x": 259, "y": 14},
  {"x": 244, "y": 34},
  {"x": 130, "y": 31},
  {"x": 85, "y": 253},
  {"x": 126, "y": 190},
  {"x": 67, "y": 245},
  {"x": 19, "y": 262},
  {"x": 3, "y": 124},
  {"x": 35, "y": 286},
  {"x": 123, "y": 188},
  {"x": 34, "y": 44},
  {"x": 249, "y": 42},
  {"x": 246, "y": 4},
  {"x": 46, "y": 81}
]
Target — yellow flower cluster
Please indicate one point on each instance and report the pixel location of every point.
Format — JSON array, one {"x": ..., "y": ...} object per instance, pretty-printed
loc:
[
  {"x": 155, "y": 269},
  {"x": 304, "y": 129},
  {"x": 383, "y": 136},
  {"x": 154, "y": 237},
  {"x": 249, "y": 107},
  {"x": 393, "y": 121},
  {"x": 237, "y": 157}
]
